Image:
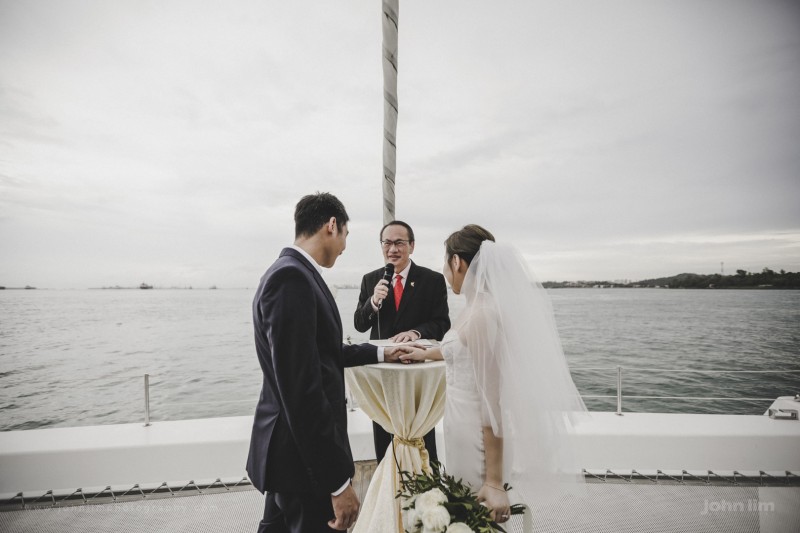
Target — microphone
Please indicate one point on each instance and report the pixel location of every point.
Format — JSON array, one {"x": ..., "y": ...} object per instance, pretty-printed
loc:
[{"x": 388, "y": 272}]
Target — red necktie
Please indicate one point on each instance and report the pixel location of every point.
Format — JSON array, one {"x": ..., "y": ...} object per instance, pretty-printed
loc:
[{"x": 398, "y": 291}]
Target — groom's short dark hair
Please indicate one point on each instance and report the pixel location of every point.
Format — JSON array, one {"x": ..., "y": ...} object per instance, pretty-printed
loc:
[{"x": 314, "y": 210}]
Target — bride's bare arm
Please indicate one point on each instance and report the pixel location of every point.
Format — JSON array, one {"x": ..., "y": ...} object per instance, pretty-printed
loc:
[
  {"x": 492, "y": 492},
  {"x": 421, "y": 354}
]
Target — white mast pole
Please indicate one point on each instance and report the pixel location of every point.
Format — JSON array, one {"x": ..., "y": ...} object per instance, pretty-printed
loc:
[{"x": 390, "y": 19}]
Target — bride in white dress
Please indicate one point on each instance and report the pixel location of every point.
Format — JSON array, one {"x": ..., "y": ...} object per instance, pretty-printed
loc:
[{"x": 511, "y": 402}]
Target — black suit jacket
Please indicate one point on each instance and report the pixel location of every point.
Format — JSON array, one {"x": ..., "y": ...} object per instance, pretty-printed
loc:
[
  {"x": 423, "y": 306},
  {"x": 299, "y": 441}
]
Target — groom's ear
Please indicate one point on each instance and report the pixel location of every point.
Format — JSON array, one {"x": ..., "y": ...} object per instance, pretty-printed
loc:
[{"x": 331, "y": 225}]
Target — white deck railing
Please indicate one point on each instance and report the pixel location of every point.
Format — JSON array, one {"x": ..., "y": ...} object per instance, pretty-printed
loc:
[{"x": 619, "y": 396}]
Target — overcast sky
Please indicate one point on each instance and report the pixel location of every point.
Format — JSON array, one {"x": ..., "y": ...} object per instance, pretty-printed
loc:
[{"x": 168, "y": 141}]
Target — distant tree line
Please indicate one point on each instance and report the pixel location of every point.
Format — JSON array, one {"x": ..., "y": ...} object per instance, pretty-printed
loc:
[{"x": 766, "y": 279}]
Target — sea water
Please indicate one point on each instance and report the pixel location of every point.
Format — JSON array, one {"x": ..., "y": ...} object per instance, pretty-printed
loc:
[{"x": 78, "y": 357}]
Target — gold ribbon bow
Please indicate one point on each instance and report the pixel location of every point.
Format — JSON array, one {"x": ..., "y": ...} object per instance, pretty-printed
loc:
[{"x": 419, "y": 444}]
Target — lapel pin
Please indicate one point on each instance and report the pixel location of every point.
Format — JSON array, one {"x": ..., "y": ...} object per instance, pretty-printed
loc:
[{"x": 412, "y": 283}]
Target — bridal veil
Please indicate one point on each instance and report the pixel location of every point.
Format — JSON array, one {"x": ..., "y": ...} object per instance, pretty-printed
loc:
[{"x": 527, "y": 393}]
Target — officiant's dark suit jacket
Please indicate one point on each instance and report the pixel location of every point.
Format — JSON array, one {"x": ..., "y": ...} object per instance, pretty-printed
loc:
[
  {"x": 299, "y": 441},
  {"x": 423, "y": 306}
]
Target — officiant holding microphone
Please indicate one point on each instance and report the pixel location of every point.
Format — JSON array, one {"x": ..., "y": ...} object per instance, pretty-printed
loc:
[{"x": 402, "y": 302}]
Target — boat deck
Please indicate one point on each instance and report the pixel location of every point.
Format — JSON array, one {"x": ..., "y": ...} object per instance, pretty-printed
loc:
[
  {"x": 693, "y": 473},
  {"x": 612, "y": 505}
]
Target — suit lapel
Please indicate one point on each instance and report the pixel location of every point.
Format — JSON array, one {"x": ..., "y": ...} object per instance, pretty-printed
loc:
[{"x": 334, "y": 308}]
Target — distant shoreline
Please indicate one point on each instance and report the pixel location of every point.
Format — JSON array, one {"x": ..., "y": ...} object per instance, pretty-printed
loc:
[
  {"x": 767, "y": 279},
  {"x": 566, "y": 285}
]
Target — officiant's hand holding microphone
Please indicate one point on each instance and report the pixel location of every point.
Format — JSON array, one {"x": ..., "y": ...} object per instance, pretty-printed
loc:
[
  {"x": 382, "y": 288},
  {"x": 380, "y": 293}
]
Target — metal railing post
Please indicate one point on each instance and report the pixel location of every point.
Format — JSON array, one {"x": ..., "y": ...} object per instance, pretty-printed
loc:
[
  {"x": 147, "y": 400},
  {"x": 619, "y": 390}
]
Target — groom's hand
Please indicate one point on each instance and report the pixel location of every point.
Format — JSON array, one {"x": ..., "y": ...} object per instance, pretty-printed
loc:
[
  {"x": 419, "y": 354},
  {"x": 391, "y": 354},
  {"x": 345, "y": 509}
]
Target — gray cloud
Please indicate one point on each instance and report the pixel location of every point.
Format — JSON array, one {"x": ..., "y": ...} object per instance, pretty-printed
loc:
[{"x": 169, "y": 142}]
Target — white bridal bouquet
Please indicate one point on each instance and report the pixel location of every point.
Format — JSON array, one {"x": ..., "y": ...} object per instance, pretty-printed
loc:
[{"x": 438, "y": 503}]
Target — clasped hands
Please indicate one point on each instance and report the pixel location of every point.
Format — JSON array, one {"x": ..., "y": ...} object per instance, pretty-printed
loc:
[{"x": 407, "y": 353}]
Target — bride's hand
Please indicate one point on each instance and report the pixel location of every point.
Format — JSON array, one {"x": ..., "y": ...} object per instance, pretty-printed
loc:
[
  {"x": 392, "y": 354},
  {"x": 496, "y": 499},
  {"x": 417, "y": 355}
]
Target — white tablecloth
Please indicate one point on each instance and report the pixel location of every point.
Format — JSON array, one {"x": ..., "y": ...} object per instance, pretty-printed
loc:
[{"x": 407, "y": 401}]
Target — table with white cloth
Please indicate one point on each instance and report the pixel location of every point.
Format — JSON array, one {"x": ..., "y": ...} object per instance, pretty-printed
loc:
[{"x": 407, "y": 400}]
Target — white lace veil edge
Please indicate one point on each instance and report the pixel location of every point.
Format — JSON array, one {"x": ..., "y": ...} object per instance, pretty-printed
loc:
[{"x": 526, "y": 389}]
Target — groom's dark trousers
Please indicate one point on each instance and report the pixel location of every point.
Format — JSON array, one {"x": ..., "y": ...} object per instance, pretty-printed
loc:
[
  {"x": 423, "y": 308},
  {"x": 299, "y": 449}
]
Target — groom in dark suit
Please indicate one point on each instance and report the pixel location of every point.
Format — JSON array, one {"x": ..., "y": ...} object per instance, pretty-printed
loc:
[
  {"x": 412, "y": 306},
  {"x": 299, "y": 449}
]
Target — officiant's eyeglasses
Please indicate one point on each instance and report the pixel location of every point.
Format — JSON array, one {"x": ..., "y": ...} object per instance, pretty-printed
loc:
[{"x": 399, "y": 244}]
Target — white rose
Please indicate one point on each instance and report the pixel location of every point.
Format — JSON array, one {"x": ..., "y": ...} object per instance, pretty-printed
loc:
[
  {"x": 458, "y": 527},
  {"x": 435, "y": 519},
  {"x": 411, "y": 520},
  {"x": 428, "y": 500}
]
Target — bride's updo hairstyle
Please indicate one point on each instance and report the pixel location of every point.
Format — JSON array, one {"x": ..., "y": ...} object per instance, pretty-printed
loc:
[{"x": 466, "y": 242}]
